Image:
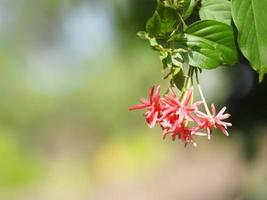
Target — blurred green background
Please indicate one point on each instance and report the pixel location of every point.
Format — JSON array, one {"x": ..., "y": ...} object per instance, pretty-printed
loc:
[{"x": 69, "y": 70}]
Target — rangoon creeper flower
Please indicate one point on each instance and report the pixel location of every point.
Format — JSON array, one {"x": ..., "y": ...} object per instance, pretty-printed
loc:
[
  {"x": 182, "y": 109},
  {"x": 153, "y": 106},
  {"x": 184, "y": 134},
  {"x": 214, "y": 120},
  {"x": 181, "y": 119}
]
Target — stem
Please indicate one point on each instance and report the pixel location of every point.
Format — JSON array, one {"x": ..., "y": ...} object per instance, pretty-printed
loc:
[
  {"x": 189, "y": 77},
  {"x": 183, "y": 22},
  {"x": 203, "y": 99},
  {"x": 202, "y": 96},
  {"x": 187, "y": 83}
]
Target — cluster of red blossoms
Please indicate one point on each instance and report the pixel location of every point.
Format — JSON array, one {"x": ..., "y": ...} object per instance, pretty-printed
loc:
[{"x": 181, "y": 119}]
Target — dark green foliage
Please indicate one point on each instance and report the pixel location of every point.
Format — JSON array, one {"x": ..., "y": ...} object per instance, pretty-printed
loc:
[{"x": 210, "y": 42}]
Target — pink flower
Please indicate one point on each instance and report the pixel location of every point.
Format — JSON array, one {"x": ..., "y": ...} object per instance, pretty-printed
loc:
[
  {"x": 214, "y": 120},
  {"x": 182, "y": 109},
  {"x": 181, "y": 119},
  {"x": 153, "y": 107},
  {"x": 168, "y": 124},
  {"x": 184, "y": 134},
  {"x": 180, "y": 131}
]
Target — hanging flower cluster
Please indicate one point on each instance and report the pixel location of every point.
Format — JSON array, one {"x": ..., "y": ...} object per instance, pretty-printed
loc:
[
  {"x": 185, "y": 50},
  {"x": 180, "y": 117}
]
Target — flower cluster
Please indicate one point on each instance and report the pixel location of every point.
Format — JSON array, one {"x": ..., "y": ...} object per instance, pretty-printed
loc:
[{"x": 180, "y": 117}]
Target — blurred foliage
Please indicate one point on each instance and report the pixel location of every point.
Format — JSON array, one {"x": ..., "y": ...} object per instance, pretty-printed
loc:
[
  {"x": 65, "y": 96},
  {"x": 18, "y": 166},
  {"x": 128, "y": 158}
]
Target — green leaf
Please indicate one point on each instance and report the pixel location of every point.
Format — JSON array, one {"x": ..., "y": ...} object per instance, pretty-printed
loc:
[
  {"x": 175, "y": 4},
  {"x": 142, "y": 34},
  {"x": 168, "y": 19},
  {"x": 179, "y": 79},
  {"x": 177, "y": 59},
  {"x": 152, "y": 40},
  {"x": 164, "y": 19},
  {"x": 250, "y": 18},
  {"x": 188, "y": 8},
  {"x": 153, "y": 24},
  {"x": 211, "y": 44},
  {"x": 219, "y": 10},
  {"x": 183, "y": 7},
  {"x": 165, "y": 59}
]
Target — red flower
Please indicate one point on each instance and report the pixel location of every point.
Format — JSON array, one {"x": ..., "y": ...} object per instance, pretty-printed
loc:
[
  {"x": 214, "y": 120},
  {"x": 184, "y": 134},
  {"x": 182, "y": 109},
  {"x": 181, "y": 119},
  {"x": 153, "y": 107},
  {"x": 168, "y": 124}
]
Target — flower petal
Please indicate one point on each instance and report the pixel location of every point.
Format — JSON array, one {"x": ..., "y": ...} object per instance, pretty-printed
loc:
[
  {"x": 144, "y": 101},
  {"x": 154, "y": 120},
  {"x": 223, "y": 130},
  {"x": 188, "y": 97},
  {"x": 139, "y": 106},
  {"x": 221, "y": 111},
  {"x": 151, "y": 94},
  {"x": 213, "y": 110}
]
